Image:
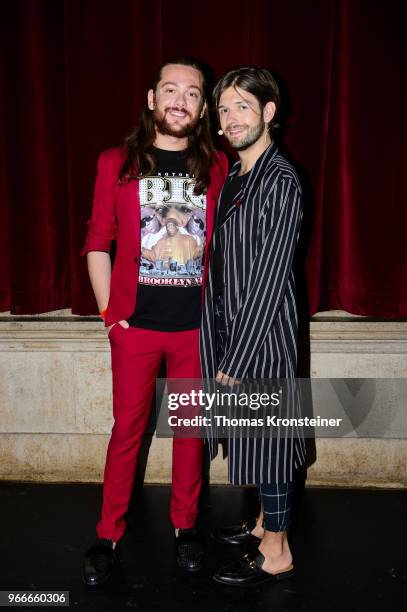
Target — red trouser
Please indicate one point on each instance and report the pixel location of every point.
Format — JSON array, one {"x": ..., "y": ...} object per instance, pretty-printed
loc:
[{"x": 136, "y": 358}]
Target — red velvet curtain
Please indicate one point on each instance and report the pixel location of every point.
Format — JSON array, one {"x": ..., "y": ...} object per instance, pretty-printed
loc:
[{"x": 74, "y": 76}]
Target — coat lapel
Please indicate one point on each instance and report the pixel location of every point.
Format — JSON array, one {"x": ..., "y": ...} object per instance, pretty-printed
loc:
[{"x": 253, "y": 181}]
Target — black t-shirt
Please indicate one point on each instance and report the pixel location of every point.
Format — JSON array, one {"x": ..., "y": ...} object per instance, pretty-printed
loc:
[
  {"x": 229, "y": 200},
  {"x": 173, "y": 232}
]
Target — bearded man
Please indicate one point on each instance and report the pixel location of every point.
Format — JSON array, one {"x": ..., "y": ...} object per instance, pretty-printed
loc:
[
  {"x": 249, "y": 328},
  {"x": 167, "y": 162}
]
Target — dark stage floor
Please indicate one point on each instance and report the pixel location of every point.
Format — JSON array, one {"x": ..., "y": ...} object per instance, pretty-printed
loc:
[{"x": 349, "y": 549}]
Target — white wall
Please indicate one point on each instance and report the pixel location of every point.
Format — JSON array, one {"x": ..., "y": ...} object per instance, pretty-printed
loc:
[{"x": 55, "y": 405}]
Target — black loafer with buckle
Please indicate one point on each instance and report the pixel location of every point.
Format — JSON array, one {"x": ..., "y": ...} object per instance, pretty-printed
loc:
[
  {"x": 237, "y": 534},
  {"x": 98, "y": 562},
  {"x": 247, "y": 572},
  {"x": 190, "y": 549}
]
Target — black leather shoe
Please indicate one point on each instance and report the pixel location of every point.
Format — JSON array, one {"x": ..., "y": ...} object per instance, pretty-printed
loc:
[
  {"x": 190, "y": 549},
  {"x": 98, "y": 562},
  {"x": 247, "y": 572},
  {"x": 237, "y": 534}
]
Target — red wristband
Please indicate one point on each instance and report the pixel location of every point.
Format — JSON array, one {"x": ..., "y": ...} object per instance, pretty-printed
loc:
[{"x": 103, "y": 313}]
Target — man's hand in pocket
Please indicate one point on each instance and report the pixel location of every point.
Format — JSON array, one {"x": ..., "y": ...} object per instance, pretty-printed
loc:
[{"x": 123, "y": 323}]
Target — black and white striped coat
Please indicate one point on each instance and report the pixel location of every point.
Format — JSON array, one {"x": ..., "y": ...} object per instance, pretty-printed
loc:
[{"x": 258, "y": 240}]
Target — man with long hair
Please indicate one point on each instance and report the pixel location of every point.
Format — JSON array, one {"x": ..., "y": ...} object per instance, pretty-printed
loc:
[
  {"x": 249, "y": 327},
  {"x": 166, "y": 170}
]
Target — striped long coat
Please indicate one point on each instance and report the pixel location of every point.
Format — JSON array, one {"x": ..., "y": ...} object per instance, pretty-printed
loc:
[{"x": 258, "y": 239}]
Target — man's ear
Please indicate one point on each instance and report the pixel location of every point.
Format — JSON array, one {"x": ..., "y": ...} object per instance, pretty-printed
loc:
[
  {"x": 269, "y": 111},
  {"x": 150, "y": 99}
]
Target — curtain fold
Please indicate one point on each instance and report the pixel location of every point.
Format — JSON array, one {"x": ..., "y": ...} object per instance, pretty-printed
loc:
[
  {"x": 35, "y": 157},
  {"x": 111, "y": 50},
  {"x": 4, "y": 204},
  {"x": 74, "y": 76},
  {"x": 359, "y": 238}
]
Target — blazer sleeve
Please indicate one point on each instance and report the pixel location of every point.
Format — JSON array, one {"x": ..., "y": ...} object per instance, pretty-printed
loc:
[
  {"x": 102, "y": 225},
  {"x": 268, "y": 279}
]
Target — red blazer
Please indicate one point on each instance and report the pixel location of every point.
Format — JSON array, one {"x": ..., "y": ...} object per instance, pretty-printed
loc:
[{"x": 116, "y": 215}]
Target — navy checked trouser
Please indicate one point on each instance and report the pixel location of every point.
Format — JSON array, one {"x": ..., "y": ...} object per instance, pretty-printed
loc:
[{"x": 276, "y": 501}]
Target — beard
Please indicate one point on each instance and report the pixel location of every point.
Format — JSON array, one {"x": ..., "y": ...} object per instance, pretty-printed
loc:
[
  {"x": 163, "y": 127},
  {"x": 252, "y": 136}
]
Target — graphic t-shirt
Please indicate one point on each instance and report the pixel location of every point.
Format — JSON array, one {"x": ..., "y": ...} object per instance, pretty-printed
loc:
[{"x": 173, "y": 231}]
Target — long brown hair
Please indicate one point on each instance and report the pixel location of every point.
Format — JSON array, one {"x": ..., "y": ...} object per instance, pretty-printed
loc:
[{"x": 138, "y": 146}]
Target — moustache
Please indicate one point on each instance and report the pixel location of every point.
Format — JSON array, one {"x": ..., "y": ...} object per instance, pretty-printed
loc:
[
  {"x": 178, "y": 109},
  {"x": 235, "y": 127}
]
